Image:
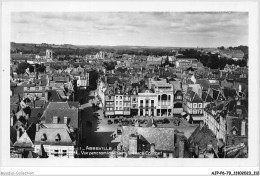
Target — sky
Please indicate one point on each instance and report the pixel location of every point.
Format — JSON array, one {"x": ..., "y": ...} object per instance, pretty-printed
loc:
[{"x": 172, "y": 29}]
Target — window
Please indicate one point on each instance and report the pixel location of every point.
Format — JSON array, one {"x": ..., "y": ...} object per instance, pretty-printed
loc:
[
  {"x": 116, "y": 108},
  {"x": 64, "y": 152},
  {"x": 134, "y": 99},
  {"x": 147, "y": 102},
  {"x": 120, "y": 97},
  {"x": 200, "y": 105},
  {"x": 116, "y": 102},
  {"x": 56, "y": 153},
  {"x": 194, "y": 105}
]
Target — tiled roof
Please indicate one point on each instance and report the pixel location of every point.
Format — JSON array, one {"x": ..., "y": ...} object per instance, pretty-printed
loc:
[
  {"x": 163, "y": 138},
  {"x": 51, "y": 134},
  {"x": 71, "y": 114}
]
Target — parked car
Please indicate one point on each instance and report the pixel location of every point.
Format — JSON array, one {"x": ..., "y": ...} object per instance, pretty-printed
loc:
[
  {"x": 165, "y": 120},
  {"x": 109, "y": 122},
  {"x": 116, "y": 121},
  {"x": 119, "y": 132},
  {"x": 125, "y": 122}
]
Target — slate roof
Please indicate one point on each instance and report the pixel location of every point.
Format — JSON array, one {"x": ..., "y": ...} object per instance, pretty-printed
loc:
[
  {"x": 206, "y": 97},
  {"x": 51, "y": 133},
  {"x": 72, "y": 115},
  {"x": 34, "y": 115},
  {"x": 229, "y": 92},
  {"x": 13, "y": 135},
  {"x": 203, "y": 136},
  {"x": 112, "y": 80},
  {"x": 163, "y": 138},
  {"x": 194, "y": 97},
  {"x": 73, "y": 104},
  {"x": 53, "y": 96}
]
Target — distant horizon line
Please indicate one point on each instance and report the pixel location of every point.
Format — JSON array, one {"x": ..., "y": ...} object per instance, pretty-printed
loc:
[{"x": 128, "y": 45}]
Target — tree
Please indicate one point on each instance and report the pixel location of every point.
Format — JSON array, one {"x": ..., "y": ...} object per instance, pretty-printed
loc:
[{"x": 22, "y": 67}]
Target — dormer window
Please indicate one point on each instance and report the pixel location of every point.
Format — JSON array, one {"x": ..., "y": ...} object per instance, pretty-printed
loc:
[
  {"x": 43, "y": 137},
  {"x": 57, "y": 138}
]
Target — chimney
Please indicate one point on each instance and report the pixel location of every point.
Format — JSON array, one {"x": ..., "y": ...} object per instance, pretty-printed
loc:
[
  {"x": 55, "y": 119},
  {"x": 201, "y": 125},
  {"x": 18, "y": 134},
  {"x": 65, "y": 120},
  {"x": 137, "y": 89},
  {"x": 243, "y": 128},
  {"x": 133, "y": 144},
  {"x": 12, "y": 121},
  {"x": 152, "y": 148},
  {"x": 46, "y": 97},
  {"x": 37, "y": 127},
  {"x": 181, "y": 149}
]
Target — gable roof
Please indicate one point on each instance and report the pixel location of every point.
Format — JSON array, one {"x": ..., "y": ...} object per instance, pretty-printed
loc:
[
  {"x": 24, "y": 141},
  {"x": 34, "y": 115},
  {"x": 163, "y": 138},
  {"x": 53, "y": 95},
  {"x": 206, "y": 97},
  {"x": 194, "y": 97}
]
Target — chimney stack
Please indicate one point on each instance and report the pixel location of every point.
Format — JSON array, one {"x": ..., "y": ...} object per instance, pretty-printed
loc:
[
  {"x": 181, "y": 148},
  {"x": 133, "y": 144},
  {"x": 37, "y": 127},
  {"x": 55, "y": 119},
  {"x": 65, "y": 120},
  {"x": 12, "y": 121},
  {"x": 152, "y": 148},
  {"x": 18, "y": 134},
  {"x": 243, "y": 128}
]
